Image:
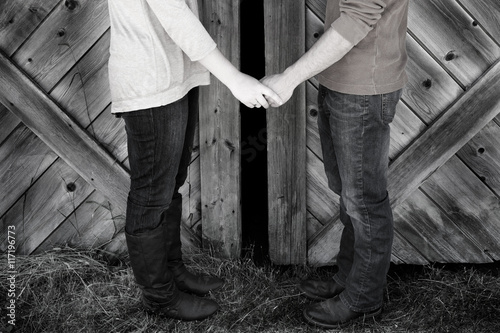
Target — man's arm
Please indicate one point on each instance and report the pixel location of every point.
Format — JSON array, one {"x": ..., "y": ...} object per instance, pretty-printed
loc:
[{"x": 329, "y": 49}]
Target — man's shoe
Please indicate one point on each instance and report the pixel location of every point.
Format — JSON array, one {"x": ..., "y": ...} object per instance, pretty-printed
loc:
[
  {"x": 198, "y": 284},
  {"x": 332, "y": 313},
  {"x": 320, "y": 290}
]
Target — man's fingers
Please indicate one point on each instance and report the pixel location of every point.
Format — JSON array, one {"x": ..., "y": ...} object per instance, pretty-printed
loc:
[
  {"x": 272, "y": 102},
  {"x": 262, "y": 101},
  {"x": 274, "y": 96}
]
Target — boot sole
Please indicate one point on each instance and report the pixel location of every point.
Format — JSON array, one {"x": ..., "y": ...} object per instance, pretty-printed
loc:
[
  {"x": 164, "y": 312},
  {"x": 361, "y": 318}
]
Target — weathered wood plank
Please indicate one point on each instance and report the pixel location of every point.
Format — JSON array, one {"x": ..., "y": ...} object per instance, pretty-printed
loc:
[
  {"x": 83, "y": 92},
  {"x": 43, "y": 208},
  {"x": 93, "y": 224},
  {"x": 430, "y": 90},
  {"x": 447, "y": 32},
  {"x": 324, "y": 245},
  {"x": 312, "y": 137},
  {"x": 284, "y": 24},
  {"x": 57, "y": 44},
  {"x": 482, "y": 154},
  {"x": 318, "y": 7},
  {"x": 313, "y": 224},
  {"x": 322, "y": 202},
  {"x": 470, "y": 204},
  {"x": 432, "y": 233},
  {"x": 49, "y": 122},
  {"x": 191, "y": 196},
  {"x": 403, "y": 252},
  {"x": 405, "y": 127},
  {"x": 191, "y": 231},
  {"x": 23, "y": 158},
  {"x": 220, "y": 138},
  {"x": 314, "y": 28},
  {"x": 485, "y": 14},
  {"x": 8, "y": 121},
  {"x": 464, "y": 119},
  {"x": 110, "y": 132},
  {"x": 18, "y": 19}
]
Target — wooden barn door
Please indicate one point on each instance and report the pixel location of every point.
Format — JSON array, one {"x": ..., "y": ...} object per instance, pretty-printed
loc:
[{"x": 286, "y": 136}]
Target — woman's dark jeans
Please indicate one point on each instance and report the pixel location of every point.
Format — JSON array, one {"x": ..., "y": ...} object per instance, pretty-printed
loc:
[
  {"x": 159, "y": 142},
  {"x": 355, "y": 136}
]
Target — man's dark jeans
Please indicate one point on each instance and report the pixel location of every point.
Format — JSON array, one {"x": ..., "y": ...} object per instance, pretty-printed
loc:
[
  {"x": 355, "y": 136},
  {"x": 159, "y": 142}
]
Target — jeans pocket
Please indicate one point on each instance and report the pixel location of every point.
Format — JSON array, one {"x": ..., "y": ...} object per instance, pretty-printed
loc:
[{"x": 389, "y": 103}]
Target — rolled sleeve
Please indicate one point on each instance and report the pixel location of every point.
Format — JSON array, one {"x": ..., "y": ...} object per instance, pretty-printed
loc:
[
  {"x": 183, "y": 27},
  {"x": 357, "y": 18}
]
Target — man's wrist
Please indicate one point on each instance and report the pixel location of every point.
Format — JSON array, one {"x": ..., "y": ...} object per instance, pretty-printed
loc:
[{"x": 291, "y": 77}]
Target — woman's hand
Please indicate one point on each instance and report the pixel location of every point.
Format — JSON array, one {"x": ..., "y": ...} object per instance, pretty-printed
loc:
[{"x": 252, "y": 93}]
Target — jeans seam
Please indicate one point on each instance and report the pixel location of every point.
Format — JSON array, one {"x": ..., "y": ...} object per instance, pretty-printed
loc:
[
  {"x": 365, "y": 210},
  {"x": 152, "y": 176}
]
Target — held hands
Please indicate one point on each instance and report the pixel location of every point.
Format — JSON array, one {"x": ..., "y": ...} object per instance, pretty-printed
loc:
[
  {"x": 281, "y": 85},
  {"x": 254, "y": 94},
  {"x": 245, "y": 88}
]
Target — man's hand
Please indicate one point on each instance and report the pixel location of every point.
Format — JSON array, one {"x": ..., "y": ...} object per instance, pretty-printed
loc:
[{"x": 281, "y": 85}]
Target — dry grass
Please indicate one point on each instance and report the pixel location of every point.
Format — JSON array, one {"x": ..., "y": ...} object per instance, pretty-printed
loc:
[{"x": 80, "y": 291}]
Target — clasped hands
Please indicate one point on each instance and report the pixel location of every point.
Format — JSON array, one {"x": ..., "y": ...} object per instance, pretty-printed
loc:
[
  {"x": 281, "y": 86},
  {"x": 273, "y": 90}
]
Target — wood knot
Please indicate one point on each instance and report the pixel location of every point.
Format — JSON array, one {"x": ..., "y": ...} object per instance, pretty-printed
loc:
[
  {"x": 313, "y": 112},
  {"x": 450, "y": 56},
  {"x": 71, "y": 4},
  {"x": 71, "y": 187},
  {"x": 230, "y": 145},
  {"x": 427, "y": 84}
]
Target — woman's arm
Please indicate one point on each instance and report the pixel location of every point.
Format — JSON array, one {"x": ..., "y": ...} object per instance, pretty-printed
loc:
[
  {"x": 185, "y": 29},
  {"x": 246, "y": 89}
]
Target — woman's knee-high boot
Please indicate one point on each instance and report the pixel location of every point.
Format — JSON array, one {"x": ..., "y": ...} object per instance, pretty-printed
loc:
[
  {"x": 185, "y": 281},
  {"x": 148, "y": 257}
]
